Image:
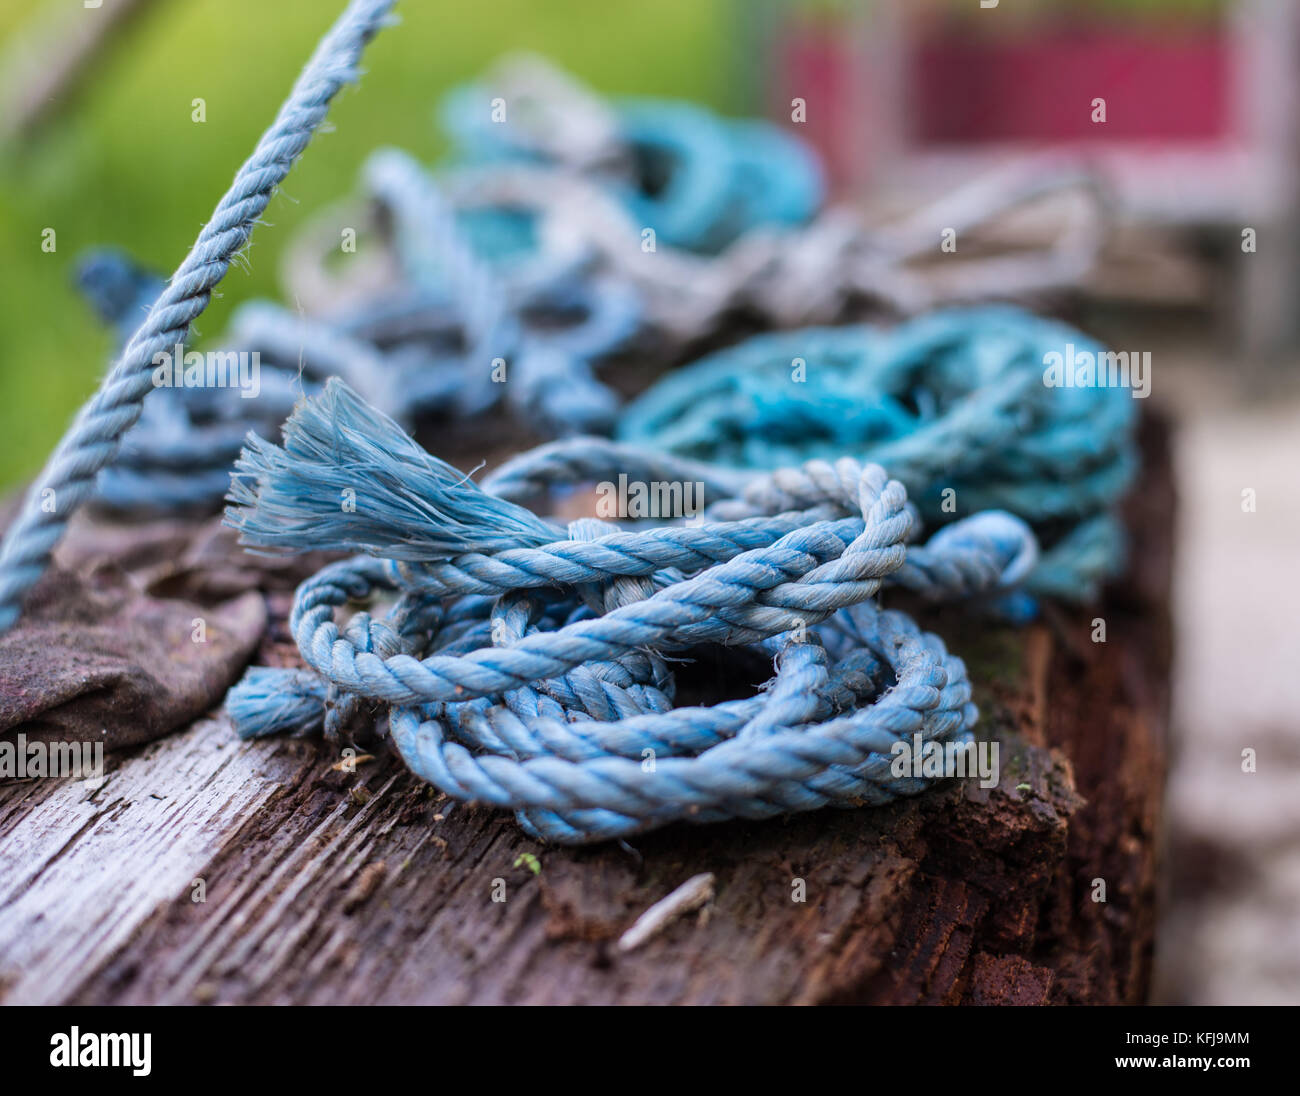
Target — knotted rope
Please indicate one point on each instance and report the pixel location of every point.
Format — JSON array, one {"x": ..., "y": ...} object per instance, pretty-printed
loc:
[
  {"x": 531, "y": 669},
  {"x": 92, "y": 441},
  {"x": 516, "y": 282},
  {"x": 530, "y": 665},
  {"x": 954, "y": 404}
]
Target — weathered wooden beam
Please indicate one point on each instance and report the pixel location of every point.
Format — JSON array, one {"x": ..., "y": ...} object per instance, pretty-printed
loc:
[{"x": 326, "y": 886}]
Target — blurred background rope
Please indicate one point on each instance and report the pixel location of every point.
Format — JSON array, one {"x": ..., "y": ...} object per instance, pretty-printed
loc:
[
  {"x": 531, "y": 665},
  {"x": 736, "y": 209},
  {"x": 464, "y": 334},
  {"x": 521, "y": 273},
  {"x": 699, "y": 180}
]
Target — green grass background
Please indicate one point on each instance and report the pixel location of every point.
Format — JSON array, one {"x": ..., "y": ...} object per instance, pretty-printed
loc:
[{"x": 126, "y": 165}]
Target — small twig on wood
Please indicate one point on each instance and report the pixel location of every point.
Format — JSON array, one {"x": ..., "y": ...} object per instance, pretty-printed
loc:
[
  {"x": 348, "y": 764},
  {"x": 692, "y": 894},
  {"x": 367, "y": 882}
]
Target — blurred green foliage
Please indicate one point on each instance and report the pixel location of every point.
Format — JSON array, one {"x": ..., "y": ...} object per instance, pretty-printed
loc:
[{"x": 125, "y": 164}]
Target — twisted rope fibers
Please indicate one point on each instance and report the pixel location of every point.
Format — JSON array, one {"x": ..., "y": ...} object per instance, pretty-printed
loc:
[
  {"x": 456, "y": 316},
  {"x": 179, "y": 453},
  {"x": 530, "y": 668},
  {"x": 737, "y": 209},
  {"x": 92, "y": 440},
  {"x": 953, "y": 401},
  {"x": 552, "y": 379},
  {"x": 528, "y": 665}
]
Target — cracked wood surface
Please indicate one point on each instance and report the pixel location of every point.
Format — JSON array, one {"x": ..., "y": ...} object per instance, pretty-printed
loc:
[{"x": 323, "y": 886}]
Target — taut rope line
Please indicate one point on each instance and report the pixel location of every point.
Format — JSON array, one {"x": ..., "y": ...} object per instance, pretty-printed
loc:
[{"x": 68, "y": 479}]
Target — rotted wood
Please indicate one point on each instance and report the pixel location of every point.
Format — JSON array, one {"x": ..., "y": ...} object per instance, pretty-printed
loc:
[{"x": 203, "y": 870}]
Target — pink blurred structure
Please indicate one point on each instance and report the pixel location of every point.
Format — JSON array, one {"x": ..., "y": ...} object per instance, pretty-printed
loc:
[{"x": 1202, "y": 124}]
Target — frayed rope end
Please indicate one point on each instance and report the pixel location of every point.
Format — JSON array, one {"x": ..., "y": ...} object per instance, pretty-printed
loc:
[{"x": 349, "y": 478}]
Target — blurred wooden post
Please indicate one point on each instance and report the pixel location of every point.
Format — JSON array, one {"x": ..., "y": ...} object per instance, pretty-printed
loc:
[
  {"x": 49, "y": 60},
  {"x": 1264, "y": 315}
]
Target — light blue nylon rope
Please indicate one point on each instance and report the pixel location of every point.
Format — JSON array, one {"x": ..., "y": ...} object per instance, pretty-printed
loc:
[
  {"x": 529, "y": 666},
  {"x": 92, "y": 441},
  {"x": 478, "y": 289},
  {"x": 551, "y": 379}
]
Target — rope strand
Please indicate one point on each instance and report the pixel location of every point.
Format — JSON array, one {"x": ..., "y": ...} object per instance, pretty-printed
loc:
[{"x": 92, "y": 441}]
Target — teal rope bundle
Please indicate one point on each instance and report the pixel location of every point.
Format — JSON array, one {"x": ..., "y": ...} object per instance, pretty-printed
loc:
[
  {"x": 92, "y": 441},
  {"x": 699, "y": 180},
  {"x": 734, "y": 210},
  {"x": 953, "y": 403},
  {"x": 530, "y": 666},
  {"x": 493, "y": 270}
]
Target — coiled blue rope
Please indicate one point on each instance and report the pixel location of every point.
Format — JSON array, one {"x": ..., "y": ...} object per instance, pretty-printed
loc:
[
  {"x": 551, "y": 373},
  {"x": 178, "y": 454},
  {"x": 699, "y": 180},
  {"x": 529, "y": 666},
  {"x": 953, "y": 403},
  {"x": 92, "y": 441}
]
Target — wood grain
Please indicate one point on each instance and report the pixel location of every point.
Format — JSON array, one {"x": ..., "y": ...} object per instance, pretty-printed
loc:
[{"x": 324, "y": 886}]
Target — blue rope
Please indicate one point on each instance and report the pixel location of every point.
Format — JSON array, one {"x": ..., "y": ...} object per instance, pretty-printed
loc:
[
  {"x": 478, "y": 287},
  {"x": 529, "y": 665},
  {"x": 699, "y": 180},
  {"x": 92, "y": 441},
  {"x": 178, "y": 454},
  {"x": 950, "y": 402},
  {"x": 551, "y": 373},
  {"x": 439, "y": 341},
  {"x": 714, "y": 180}
]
